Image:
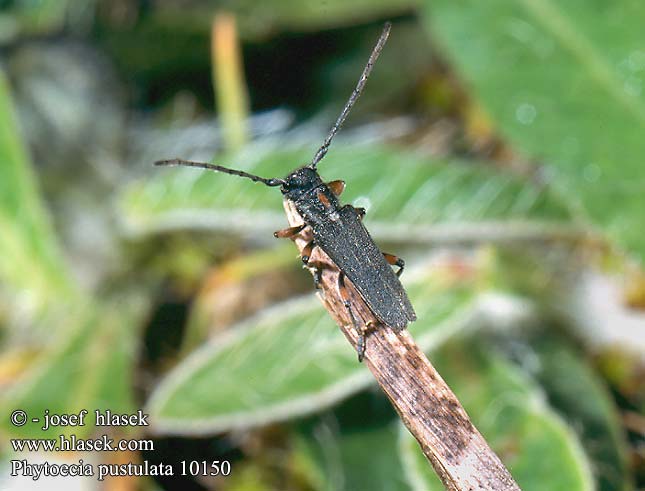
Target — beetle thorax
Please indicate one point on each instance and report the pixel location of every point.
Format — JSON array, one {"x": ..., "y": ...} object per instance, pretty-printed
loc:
[{"x": 300, "y": 182}]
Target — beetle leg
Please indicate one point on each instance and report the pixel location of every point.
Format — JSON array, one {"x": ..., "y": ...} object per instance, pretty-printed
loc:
[
  {"x": 306, "y": 252},
  {"x": 287, "y": 233},
  {"x": 362, "y": 339},
  {"x": 369, "y": 327},
  {"x": 395, "y": 261},
  {"x": 336, "y": 187},
  {"x": 360, "y": 346},
  {"x": 344, "y": 294}
]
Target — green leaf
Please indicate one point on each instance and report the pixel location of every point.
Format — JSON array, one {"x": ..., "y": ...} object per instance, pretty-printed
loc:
[
  {"x": 29, "y": 18},
  {"x": 562, "y": 81},
  {"x": 576, "y": 392},
  {"x": 355, "y": 446},
  {"x": 538, "y": 448},
  {"x": 33, "y": 275},
  {"x": 257, "y": 20},
  {"x": 89, "y": 368},
  {"x": 288, "y": 361},
  {"x": 310, "y": 14},
  {"x": 408, "y": 197}
]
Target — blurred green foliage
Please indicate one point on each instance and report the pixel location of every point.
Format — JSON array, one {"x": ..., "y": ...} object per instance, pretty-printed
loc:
[
  {"x": 517, "y": 175},
  {"x": 566, "y": 89},
  {"x": 423, "y": 195},
  {"x": 33, "y": 266}
]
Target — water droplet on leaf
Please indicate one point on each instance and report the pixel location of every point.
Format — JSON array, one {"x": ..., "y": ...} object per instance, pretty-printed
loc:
[{"x": 526, "y": 113}]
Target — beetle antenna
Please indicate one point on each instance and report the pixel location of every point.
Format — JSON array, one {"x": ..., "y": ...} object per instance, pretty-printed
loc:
[
  {"x": 322, "y": 151},
  {"x": 219, "y": 168}
]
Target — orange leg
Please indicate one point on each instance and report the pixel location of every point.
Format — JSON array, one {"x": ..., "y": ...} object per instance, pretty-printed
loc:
[
  {"x": 306, "y": 252},
  {"x": 287, "y": 233},
  {"x": 395, "y": 261}
]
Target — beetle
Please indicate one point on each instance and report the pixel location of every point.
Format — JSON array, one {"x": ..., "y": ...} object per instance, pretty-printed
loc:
[{"x": 338, "y": 230}]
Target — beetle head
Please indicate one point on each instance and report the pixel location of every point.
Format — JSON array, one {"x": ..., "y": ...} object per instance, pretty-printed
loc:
[{"x": 300, "y": 181}]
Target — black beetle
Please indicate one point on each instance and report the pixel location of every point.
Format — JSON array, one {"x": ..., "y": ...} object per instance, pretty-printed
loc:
[{"x": 338, "y": 230}]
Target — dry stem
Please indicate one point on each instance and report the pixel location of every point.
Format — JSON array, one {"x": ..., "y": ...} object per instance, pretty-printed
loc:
[{"x": 428, "y": 408}]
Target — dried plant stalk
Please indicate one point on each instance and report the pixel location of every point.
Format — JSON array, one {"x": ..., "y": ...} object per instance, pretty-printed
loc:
[{"x": 428, "y": 408}]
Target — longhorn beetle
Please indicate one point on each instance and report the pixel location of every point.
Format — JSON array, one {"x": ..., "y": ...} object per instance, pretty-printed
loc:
[{"x": 338, "y": 230}]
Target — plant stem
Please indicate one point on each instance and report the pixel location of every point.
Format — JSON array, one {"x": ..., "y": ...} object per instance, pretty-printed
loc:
[
  {"x": 428, "y": 408},
  {"x": 228, "y": 82}
]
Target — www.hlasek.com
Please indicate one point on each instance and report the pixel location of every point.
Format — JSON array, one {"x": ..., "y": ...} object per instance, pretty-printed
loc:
[{"x": 71, "y": 443}]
